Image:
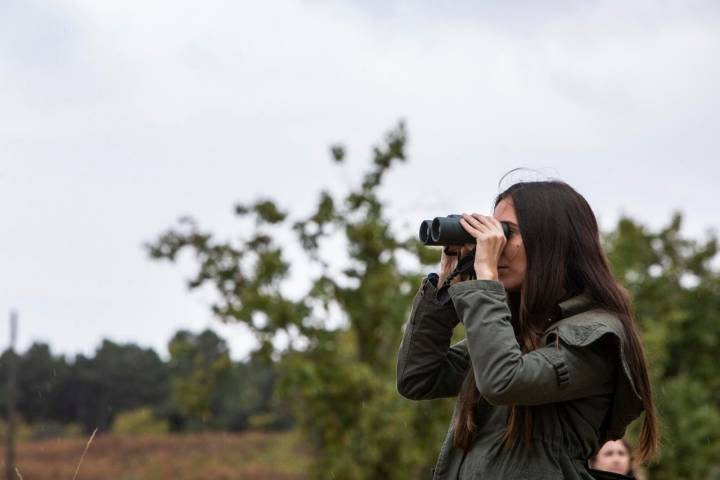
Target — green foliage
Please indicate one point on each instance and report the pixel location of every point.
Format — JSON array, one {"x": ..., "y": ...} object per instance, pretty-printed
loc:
[
  {"x": 354, "y": 417},
  {"x": 199, "y": 366},
  {"x": 676, "y": 295},
  {"x": 119, "y": 377},
  {"x": 268, "y": 421},
  {"x": 198, "y": 388},
  {"x": 692, "y": 424},
  {"x": 338, "y": 153},
  {"x": 245, "y": 398},
  {"x": 41, "y": 376},
  {"x": 265, "y": 210},
  {"x": 141, "y": 421},
  {"x": 342, "y": 383},
  {"x": 88, "y": 391},
  {"x": 23, "y": 430}
]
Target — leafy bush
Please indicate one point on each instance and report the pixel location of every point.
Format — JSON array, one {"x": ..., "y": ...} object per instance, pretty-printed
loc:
[{"x": 139, "y": 422}]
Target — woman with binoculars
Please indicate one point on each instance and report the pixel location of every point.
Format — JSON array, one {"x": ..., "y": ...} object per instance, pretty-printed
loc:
[{"x": 551, "y": 366}]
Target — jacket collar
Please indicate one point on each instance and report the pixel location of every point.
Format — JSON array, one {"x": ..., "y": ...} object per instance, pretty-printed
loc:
[{"x": 572, "y": 306}]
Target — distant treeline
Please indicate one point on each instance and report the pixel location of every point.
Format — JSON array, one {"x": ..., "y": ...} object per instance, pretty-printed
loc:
[{"x": 198, "y": 388}]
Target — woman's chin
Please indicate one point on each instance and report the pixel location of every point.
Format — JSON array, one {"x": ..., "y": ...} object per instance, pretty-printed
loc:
[{"x": 508, "y": 283}]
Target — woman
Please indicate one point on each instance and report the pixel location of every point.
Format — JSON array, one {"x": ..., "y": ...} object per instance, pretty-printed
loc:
[
  {"x": 614, "y": 457},
  {"x": 551, "y": 366}
]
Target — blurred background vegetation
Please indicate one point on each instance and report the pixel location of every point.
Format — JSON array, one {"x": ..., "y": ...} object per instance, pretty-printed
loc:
[{"x": 330, "y": 385}]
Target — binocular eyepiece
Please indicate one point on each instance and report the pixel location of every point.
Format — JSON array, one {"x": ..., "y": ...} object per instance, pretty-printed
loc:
[{"x": 446, "y": 231}]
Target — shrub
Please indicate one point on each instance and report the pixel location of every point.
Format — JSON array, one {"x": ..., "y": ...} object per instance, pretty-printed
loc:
[{"x": 139, "y": 422}]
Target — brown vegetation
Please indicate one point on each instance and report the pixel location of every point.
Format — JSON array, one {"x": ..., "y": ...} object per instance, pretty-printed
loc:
[{"x": 217, "y": 456}]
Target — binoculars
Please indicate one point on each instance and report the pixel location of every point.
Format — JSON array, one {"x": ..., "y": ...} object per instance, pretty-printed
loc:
[{"x": 446, "y": 231}]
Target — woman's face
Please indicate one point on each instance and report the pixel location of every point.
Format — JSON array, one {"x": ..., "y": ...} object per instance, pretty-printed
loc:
[
  {"x": 613, "y": 457},
  {"x": 513, "y": 262}
]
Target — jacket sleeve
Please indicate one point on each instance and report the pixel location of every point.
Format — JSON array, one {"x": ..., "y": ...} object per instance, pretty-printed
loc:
[
  {"x": 553, "y": 373},
  {"x": 427, "y": 365}
]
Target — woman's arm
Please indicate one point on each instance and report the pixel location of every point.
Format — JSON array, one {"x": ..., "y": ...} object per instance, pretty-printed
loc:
[
  {"x": 553, "y": 373},
  {"x": 428, "y": 367}
]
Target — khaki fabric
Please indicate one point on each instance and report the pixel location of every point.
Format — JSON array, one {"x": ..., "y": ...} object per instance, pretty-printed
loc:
[{"x": 577, "y": 384}]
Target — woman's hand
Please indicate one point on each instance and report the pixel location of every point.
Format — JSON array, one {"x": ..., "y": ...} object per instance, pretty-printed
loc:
[{"x": 490, "y": 238}]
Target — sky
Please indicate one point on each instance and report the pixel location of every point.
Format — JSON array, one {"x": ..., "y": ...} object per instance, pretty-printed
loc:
[{"x": 117, "y": 118}]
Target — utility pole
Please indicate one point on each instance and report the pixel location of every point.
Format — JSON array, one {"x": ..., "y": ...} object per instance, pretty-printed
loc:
[{"x": 11, "y": 398}]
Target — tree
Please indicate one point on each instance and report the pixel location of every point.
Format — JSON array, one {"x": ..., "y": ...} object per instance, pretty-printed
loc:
[
  {"x": 247, "y": 397},
  {"x": 342, "y": 380},
  {"x": 118, "y": 378},
  {"x": 41, "y": 374},
  {"x": 676, "y": 293},
  {"x": 91, "y": 390},
  {"x": 200, "y": 366}
]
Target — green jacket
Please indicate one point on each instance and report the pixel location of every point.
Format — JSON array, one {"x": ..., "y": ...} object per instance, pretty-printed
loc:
[{"x": 578, "y": 382}]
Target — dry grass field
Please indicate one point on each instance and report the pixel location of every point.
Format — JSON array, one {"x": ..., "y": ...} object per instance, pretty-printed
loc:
[{"x": 218, "y": 456}]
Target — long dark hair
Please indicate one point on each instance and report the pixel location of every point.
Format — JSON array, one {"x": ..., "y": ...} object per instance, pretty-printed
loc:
[{"x": 564, "y": 253}]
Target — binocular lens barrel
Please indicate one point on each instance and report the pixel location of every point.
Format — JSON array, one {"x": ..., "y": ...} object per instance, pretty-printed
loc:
[
  {"x": 448, "y": 231},
  {"x": 425, "y": 236}
]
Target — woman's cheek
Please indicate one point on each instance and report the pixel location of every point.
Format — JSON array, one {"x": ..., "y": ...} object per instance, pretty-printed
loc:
[{"x": 511, "y": 250}]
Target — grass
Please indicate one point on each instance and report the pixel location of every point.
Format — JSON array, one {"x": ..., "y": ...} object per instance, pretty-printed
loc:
[{"x": 217, "y": 456}]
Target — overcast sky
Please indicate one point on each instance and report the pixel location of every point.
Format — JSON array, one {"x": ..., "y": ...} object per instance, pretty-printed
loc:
[{"x": 117, "y": 117}]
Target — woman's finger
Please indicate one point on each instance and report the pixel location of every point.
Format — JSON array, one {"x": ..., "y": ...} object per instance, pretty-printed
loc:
[
  {"x": 490, "y": 223},
  {"x": 475, "y": 223},
  {"x": 496, "y": 222},
  {"x": 482, "y": 219},
  {"x": 468, "y": 228}
]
